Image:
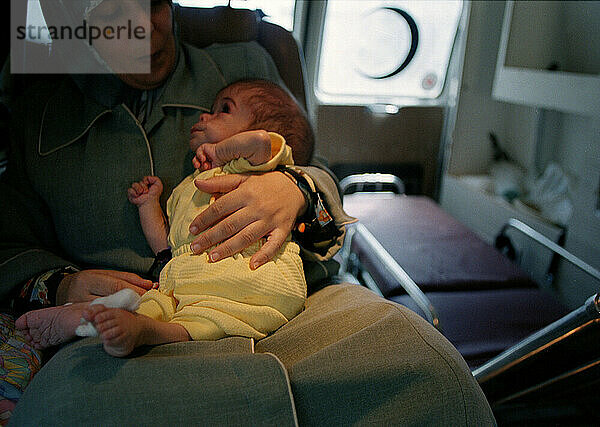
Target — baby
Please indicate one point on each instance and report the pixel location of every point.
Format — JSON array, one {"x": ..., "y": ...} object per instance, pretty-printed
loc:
[{"x": 198, "y": 299}]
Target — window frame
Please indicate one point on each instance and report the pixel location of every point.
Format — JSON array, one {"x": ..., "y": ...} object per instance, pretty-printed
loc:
[
  {"x": 227, "y": 3},
  {"x": 391, "y": 105}
]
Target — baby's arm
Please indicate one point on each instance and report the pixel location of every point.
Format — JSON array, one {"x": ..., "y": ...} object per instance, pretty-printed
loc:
[
  {"x": 253, "y": 145},
  {"x": 145, "y": 195}
]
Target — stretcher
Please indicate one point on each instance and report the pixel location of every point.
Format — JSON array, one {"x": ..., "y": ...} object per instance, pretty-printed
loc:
[{"x": 410, "y": 251}]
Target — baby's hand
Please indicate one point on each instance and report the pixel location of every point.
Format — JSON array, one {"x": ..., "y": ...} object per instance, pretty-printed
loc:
[
  {"x": 148, "y": 189},
  {"x": 206, "y": 157},
  {"x": 254, "y": 145}
]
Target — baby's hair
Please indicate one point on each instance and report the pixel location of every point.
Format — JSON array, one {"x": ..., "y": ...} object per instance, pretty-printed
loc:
[{"x": 274, "y": 109}]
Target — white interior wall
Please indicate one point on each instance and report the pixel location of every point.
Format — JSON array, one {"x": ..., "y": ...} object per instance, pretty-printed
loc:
[
  {"x": 478, "y": 113},
  {"x": 572, "y": 141},
  {"x": 578, "y": 153}
]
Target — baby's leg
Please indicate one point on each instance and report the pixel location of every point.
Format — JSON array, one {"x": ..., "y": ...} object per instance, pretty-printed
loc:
[
  {"x": 51, "y": 326},
  {"x": 122, "y": 331}
]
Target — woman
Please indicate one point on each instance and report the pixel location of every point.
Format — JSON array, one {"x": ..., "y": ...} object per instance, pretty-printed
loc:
[{"x": 349, "y": 357}]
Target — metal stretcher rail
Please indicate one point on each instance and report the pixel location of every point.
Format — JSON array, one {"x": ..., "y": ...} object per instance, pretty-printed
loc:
[
  {"x": 379, "y": 180},
  {"x": 543, "y": 240},
  {"x": 538, "y": 341},
  {"x": 411, "y": 288},
  {"x": 588, "y": 313}
]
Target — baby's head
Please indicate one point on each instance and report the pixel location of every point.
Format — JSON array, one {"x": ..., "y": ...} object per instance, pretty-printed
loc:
[{"x": 253, "y": 105}]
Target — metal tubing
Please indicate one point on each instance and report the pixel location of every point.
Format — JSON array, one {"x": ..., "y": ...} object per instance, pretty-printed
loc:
[
  {"x": 538, "y": 341},
  {"x": 534, "y": 343},
  {"x": 372, "y": 178},
  {"x": 411, "y": 288},
  {"x": 543, "y": 240}
]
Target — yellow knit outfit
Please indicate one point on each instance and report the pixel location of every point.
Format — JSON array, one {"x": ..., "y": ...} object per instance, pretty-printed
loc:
[{"x": 212, "y": 300}]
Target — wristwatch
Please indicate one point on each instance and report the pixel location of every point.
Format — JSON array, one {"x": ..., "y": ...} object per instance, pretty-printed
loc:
[{"x": 315, "y": 229}]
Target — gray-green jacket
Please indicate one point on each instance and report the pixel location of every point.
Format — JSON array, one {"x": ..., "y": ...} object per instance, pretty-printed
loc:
[{"x": 64, "y": 193}]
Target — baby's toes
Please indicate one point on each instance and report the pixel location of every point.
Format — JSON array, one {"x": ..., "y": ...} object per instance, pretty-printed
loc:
[
  {"x": 104, "y": 325},
  {"x": 110, "y": 332},
  {"x": 108, "y": 323},
  {"x": 92, "y": 311}
]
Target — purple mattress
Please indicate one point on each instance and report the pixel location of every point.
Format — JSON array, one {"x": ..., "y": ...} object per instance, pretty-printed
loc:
[
  {"x": 438, "y": 252},
  {"x": 481, "y": 324}
]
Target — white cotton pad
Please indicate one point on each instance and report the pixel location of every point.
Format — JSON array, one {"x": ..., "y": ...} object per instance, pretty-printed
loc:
[
  {"x": 125, "y": 299},
  {"x": 86, "y": 329}
]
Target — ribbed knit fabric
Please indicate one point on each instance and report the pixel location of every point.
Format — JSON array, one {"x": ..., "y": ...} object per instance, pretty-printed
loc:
[{"x": 224, "y": 298}]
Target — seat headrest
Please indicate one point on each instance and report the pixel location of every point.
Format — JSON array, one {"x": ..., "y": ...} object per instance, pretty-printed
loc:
[{"x": 221, "y": 24}]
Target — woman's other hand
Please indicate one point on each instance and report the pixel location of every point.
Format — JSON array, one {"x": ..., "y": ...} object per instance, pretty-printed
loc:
[
  {"x": 87, "y": 285},
  {"x": 250, "y": 207}
]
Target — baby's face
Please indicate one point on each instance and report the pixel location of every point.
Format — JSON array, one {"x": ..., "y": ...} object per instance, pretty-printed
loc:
[{"x": 230, "y": 115}]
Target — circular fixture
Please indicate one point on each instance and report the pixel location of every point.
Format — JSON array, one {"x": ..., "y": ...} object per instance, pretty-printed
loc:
[{"x": 388, "y": 44}]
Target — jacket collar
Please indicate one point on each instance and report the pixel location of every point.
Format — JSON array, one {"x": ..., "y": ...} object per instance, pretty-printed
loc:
[
  {"x": 65, "y": 122},
  {"x": 193, "y": 84}
]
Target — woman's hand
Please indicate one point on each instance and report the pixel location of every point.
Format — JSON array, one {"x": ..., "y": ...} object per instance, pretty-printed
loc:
[
  {"x": 88, "y": 285},
  {"x": 251, "y": 207}
]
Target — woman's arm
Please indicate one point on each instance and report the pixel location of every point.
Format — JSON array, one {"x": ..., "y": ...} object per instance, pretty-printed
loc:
[{"x": 30, "y": 253}]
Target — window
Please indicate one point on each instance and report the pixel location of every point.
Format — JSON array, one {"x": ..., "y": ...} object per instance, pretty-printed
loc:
[
  {"x": 386, "y": 51},
  {"x": 36, "y": 18},
  {"x": 280, "y": 12}
]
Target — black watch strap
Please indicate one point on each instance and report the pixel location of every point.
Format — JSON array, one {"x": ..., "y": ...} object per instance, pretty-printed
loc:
[
  {"x": 315, "y": 230},
  {"x": 306, "y": 190}
]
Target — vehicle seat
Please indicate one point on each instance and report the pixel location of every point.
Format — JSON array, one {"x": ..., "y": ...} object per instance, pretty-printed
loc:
[{"x": 201, "y": 27}]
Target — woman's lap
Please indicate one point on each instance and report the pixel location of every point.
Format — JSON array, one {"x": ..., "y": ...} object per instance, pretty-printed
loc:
[{"x": 350, "y": 356}]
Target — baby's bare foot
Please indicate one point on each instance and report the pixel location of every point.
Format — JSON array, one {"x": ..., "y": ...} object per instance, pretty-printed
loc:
[
  {"x": 119, "y": 329},
  {"x": 50, "y": 326}
]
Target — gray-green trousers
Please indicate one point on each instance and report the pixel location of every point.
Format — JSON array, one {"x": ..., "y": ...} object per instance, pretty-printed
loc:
[{"x": 349, "y": 358}]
